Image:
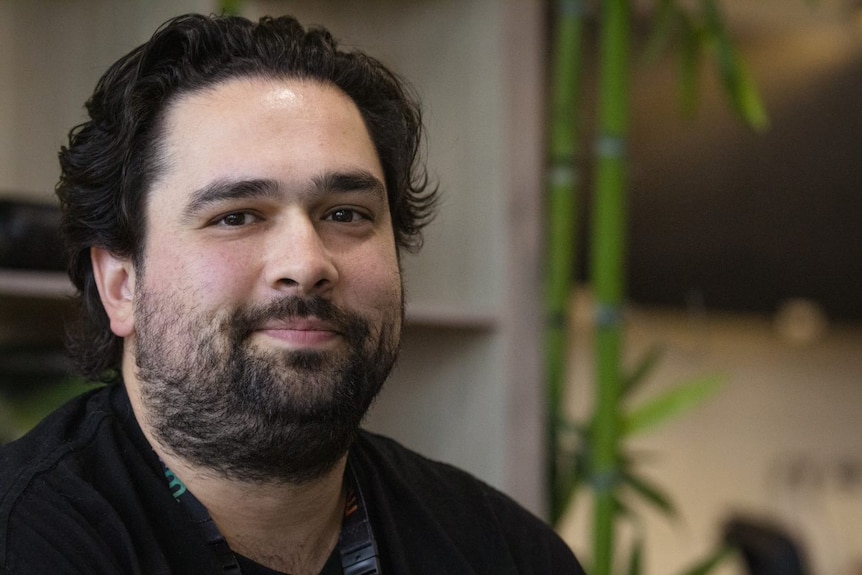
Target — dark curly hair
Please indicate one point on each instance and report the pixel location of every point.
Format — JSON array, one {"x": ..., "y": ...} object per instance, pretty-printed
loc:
[{"x": 112, "y": 158}]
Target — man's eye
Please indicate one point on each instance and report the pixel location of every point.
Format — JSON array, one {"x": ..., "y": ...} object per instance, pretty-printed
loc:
[
  {"x": 236, "y": 219},
  {"x": 344, "y": 215}
]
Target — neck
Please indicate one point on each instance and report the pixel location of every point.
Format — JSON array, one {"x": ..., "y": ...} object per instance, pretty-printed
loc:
[{"x": 287, "y": 527}]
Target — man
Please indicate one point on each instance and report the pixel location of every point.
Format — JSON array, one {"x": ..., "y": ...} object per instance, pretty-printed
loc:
[{"x": 235, "y": 209}]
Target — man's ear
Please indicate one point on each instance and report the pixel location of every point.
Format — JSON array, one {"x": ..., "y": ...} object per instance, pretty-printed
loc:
[{"x": 115, "y": 278}]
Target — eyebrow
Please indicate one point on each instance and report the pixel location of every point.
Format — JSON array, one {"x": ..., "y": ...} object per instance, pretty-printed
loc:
[
  {"x": 350, "y": 181},
  {"x": 227, "y": 190}
]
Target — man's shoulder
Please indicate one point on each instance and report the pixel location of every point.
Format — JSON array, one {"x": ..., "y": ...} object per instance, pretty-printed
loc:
[
  {"x": 62, "y": 487},
  {"x": 38, "y": 469},
  {"x": 418, "y": 473},
  {"x": 413, "y": 466},
  {"x": 405, "y": 470},
  {"x": 64, "y": 432},
  {"x": 429, "y": 504}
]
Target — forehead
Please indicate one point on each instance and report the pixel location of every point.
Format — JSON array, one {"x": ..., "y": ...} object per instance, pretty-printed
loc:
[{"x": 286, "y": 130}]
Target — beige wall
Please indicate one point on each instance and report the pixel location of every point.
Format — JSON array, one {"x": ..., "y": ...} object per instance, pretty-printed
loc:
[{"x": 51, "y": 55}]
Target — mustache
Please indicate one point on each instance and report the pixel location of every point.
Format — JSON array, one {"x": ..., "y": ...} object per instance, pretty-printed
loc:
[{"x": 288, "y": 308}]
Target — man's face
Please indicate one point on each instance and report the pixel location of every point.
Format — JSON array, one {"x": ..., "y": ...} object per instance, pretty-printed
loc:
[{"x": 267, "y": 307}]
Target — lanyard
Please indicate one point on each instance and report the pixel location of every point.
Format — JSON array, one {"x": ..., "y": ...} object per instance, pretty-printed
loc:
[{"x": 356, "y": 543}]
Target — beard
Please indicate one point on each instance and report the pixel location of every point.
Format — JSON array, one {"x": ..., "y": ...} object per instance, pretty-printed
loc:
[{"x": 251, "y": 414}]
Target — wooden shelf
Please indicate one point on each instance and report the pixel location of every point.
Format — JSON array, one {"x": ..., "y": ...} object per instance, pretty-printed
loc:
[
  {"x": 35, "y": 284},
  {"x": 451, "y": 317}
]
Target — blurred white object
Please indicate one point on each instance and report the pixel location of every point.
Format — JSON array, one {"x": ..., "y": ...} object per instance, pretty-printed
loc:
[{"x": 801, "y": 321}]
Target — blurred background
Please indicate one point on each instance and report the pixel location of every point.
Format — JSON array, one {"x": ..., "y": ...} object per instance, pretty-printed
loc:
[{"x": 744, "y": 251}]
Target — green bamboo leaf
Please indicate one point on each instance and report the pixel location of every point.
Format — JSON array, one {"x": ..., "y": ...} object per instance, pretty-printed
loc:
[
  {"x": 573, "y": 464},
  {"x": 573, "y": 428},
  {"x": 738, "y": 83},
  {"x": 715, "y": 36},
  {"x": 662, "y": 29},
  {"x": 707, "y": 565},
  {"x": 650, "y": 493},
  {"x": 642, "y": 370},
  {"x": 621, "y": 509},
  {"x": 690, "y": 58},
  {"x": 569, "y": 486},
  {"x": 739, "y": 86},
  {"x": 747, "y": 100},
  {"x": 575, "y": 469},
  {"x": 673, "y": 402},
  {"x": 716, "y": 32},
  {"x": 636, "y": 559}
]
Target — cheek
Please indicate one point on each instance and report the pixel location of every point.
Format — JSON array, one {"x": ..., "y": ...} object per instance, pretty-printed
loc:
[
  {"x": 374, "y": 282},
  {"x": 224, "y": 278},
  {"x": 197, "y": 275}
]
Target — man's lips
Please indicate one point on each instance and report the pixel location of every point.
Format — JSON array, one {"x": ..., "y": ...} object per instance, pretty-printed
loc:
[{"x": 307, "y": 332}]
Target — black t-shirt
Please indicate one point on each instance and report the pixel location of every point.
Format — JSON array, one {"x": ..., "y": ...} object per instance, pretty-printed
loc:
[
  {"x": 84, "y": 493},
  {"x": 249, "y": 567}
]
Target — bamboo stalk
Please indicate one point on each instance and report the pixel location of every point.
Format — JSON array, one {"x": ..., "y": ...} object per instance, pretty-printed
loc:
[
  {"x": 562, "y": 187},
  {"x": 607, "y": 263}
]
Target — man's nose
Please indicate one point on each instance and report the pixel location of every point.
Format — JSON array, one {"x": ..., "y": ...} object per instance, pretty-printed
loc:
[{"x": 298, "y": 259}]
